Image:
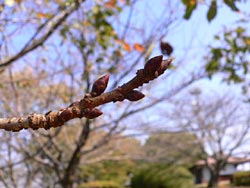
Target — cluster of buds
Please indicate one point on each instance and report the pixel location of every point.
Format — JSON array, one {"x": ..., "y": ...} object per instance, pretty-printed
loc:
[
  {"x": 86, "y": 107},
  {"x": 152, "y": 69},
  {"x": 98, "y": 88}
]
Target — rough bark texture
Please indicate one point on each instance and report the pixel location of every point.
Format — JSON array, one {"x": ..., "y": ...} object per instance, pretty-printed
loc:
[{"x": 86, "y": 106}]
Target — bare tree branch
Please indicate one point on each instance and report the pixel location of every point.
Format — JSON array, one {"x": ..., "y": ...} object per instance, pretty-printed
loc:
[
  {"x": 53, "y": 23},
  {"x": 86, "y": 106}
]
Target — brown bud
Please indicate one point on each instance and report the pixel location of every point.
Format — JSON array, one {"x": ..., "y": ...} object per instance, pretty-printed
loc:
[
  {"x": 153, "y": 65},
  {"x": 166, "y": 48},
  {"x": 66, "y": 115},
  {"x": 134, "y": 95},
  {"x": 91, "y": 113},
  {"x": 165, "y": 64},
  {"x": 100, "y": 85}
]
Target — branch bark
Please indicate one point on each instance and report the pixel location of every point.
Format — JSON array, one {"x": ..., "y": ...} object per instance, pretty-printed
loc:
[{"x": 86, "y": 106}]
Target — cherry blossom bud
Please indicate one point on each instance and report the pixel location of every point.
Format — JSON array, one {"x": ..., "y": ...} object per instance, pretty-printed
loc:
[
  {"x": 134, "y": 95},
  {"x": 165, "y": 64},
  {"x": 91, "y": 113},
  {"x": 100, "y": 85},
  {"x": 152, "y": 65}
]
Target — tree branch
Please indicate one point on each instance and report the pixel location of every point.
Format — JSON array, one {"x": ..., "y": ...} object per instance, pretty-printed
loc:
[
  {"x": 86, "y": 106},
  {"x": 33, "y": 43}
]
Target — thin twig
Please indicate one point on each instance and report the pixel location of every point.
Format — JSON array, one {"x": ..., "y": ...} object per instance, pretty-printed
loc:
[{"x": 55, "y": 22}]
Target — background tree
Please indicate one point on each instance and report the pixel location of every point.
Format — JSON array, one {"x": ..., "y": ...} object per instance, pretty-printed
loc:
[
  {"x": 221, "y": 127},
  {"x": 230, "y": 56},
  {"x": 172, "y": 148}
]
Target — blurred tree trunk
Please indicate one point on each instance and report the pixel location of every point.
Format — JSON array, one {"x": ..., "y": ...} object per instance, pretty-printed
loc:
[{"x": 70, "y": 172}]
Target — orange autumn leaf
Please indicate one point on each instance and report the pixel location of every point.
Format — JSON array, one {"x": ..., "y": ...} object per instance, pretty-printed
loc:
[
  {"x": 125, "y": 45},
  {"x": 110, "y": 4},
  {"x": 138, "y": 47},
  {"x": 192, "y": 2},
  {"x": 40, "y": 15},
  {"x": 247, "y": 41},
  {"x": 18, "y": 1}
]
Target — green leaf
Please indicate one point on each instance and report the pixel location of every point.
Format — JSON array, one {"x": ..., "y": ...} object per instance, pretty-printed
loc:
[
  {"x": 217, "y": 37},
  {"x": 217, "y": 53},
  {"x": 185, "y": 2},
  {"x": 231, "y": 4},
  {"x": 240, "y": 30},
  {"x": 212, "y": 67},
  {"x": 245, "y": 67},
  {"x": 235, "y": 78},
  {"x": 189, "y": 10},
  {"x": 212, "y": 11}
]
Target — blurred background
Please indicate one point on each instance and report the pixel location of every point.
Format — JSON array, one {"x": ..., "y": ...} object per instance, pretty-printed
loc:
[{"x": 191, "y": 130}]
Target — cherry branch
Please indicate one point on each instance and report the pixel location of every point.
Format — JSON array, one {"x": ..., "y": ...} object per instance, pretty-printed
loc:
[{"x": 86, "y": 107}]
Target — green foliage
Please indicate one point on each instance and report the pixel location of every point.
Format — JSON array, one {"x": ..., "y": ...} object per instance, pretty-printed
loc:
[
  {"x": 98, "y": 27},
  {"x": 203, "y": 185},
  {"x": 162, "y": 176},
  {"x": 231, "y": 4},
  {"x": 191, "y": 5},
  {"x": 99, "y": 184},
  {"x": 212, "y": 11},
  {"x": 173, "y": 148},
  {"x": 231, "y": 56},
  {"x": 115, "y": 171},
  {"x": 241, "y": 178},
  {"x": 98, "y": 18}
]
